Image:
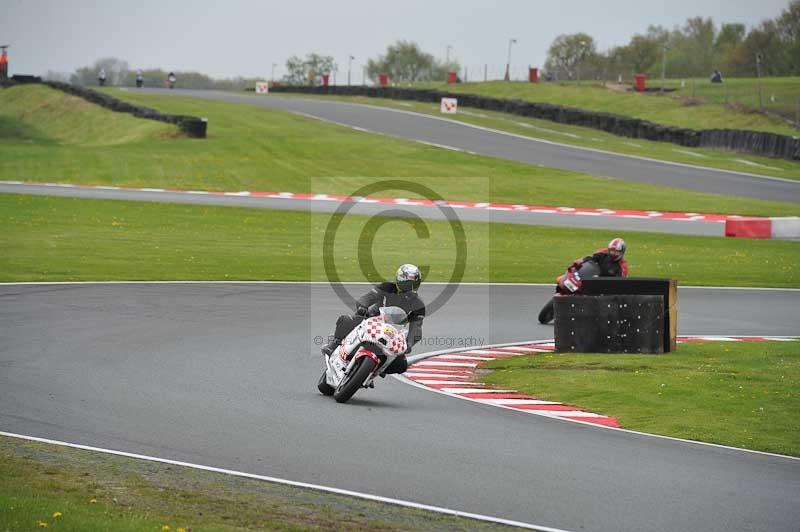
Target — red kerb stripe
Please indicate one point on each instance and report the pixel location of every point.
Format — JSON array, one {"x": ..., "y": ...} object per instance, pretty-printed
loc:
[
  {"x": 494, "y": 395},
  {"x": 607, "y": 421}
]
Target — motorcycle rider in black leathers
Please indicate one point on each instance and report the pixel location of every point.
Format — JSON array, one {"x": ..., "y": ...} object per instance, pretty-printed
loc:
[{"x": 402, "y": 292}]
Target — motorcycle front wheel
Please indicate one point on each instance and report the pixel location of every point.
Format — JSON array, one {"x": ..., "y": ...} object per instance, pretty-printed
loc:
[
  {"x": 547, "y": 313},
  {"x": 353, "y": 381}
]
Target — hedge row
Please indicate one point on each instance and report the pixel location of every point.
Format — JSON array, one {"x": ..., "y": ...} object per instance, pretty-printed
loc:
[
  {"x": 191, "y": 125},
  {"x": 752, "y": 142}
]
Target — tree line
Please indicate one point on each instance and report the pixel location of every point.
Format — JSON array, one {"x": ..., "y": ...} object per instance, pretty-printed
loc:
[
  {"x": 119, "y": 72},
  {"x": 403, "y": 61},
  {"x": 695, "y": 49}
]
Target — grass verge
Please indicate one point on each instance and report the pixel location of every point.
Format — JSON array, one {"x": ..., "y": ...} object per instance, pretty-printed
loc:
[
  {"x": 670, "y": 110},
  {"x": 251, "y": 148},
  {"x": 589, "y": 138},
  {"x": 69, "y": 239},
  {"x": 744, "y": 395},
  {"x": 46, "y": 486},
  {"x": 38, "y": 115},
  {"x": 779, "y": 95}
]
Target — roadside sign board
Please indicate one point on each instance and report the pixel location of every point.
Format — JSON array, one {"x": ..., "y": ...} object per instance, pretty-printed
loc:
[
  {"x": 262, "y": 87},
  {"x": 449, "y": 106}
]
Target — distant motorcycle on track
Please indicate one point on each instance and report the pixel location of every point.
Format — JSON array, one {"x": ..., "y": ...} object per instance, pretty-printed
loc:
[
  {"x": 365, "y": 353},
  {"x": 568, "y": 284}
]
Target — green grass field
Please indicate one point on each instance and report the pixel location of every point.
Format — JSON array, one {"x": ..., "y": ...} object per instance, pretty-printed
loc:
[
  {"x": 57, "y": 488},
  {"x": 744, "y": 395},
  {"x": 778, "y": 95},
  {"x": 40, "y": 116},
  {"x": 586, "y": 137},
  {"x": 251, "y": 148},
  {"x": 45, "y": 239},
  {"x": 672, "y": 111}
]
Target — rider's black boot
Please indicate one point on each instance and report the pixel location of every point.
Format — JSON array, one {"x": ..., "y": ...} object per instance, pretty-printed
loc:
[{"x": 328, "y": 349}]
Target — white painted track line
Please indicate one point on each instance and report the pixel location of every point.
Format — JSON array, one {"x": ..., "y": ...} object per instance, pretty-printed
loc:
[{"x": 327, "y": 489}]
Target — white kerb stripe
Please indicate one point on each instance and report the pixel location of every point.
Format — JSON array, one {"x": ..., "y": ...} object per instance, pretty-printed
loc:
[
  {"x": 461, "y": 357},
  {"x": 564, "y": 413},
  {"x": 490, "y": 352},
  {"x": 511, "y": 402},
  {"x": 452, "y": 364},
  {"x": 456, "y": 372}
]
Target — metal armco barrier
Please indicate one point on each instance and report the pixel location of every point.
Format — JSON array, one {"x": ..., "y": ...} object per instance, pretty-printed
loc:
[{"x": 637, "y": 315}]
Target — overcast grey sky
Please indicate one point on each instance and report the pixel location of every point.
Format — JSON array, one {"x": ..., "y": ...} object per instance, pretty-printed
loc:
[{"x": 244, "y": 37}]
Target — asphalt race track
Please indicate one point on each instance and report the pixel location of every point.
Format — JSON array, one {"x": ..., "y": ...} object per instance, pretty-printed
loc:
[
  {"x": 224, "y": 374},
  {"x": 527, "y": 150}
]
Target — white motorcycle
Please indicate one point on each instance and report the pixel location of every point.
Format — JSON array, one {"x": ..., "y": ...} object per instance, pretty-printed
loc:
[{"x": 367, "y": 351}]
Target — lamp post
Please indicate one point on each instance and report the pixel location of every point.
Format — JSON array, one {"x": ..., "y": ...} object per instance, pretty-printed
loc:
[
  {"x": 581, "y": 54},
  {"x": 508, "y": 64},
  {"x": 759, "y": 59},
  {"x": 272, "y": 75},
  {"x": 349, "y": 64},
  {"x": 664, "y": 49}
]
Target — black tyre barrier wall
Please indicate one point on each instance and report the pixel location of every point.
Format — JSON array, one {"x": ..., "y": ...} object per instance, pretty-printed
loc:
[
  {"x": 22, "y": 78},
  {"x": 193, "y": 126},
  {"x": 618, "y": 316},
  {"x": 609, "y": 324},
  {"x": 18, "y": 79},
  {"x": 751, "y": 142}
]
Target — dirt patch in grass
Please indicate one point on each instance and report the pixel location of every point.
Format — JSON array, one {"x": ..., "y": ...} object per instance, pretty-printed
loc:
[{"x": 689, "y": 101}]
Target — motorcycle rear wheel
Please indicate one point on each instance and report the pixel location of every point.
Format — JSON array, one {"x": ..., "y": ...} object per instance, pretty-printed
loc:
[
  {"x": 323, "y": 386},
  {"x": 354, "y": 380},
  {"x": 547, "y": 313}
]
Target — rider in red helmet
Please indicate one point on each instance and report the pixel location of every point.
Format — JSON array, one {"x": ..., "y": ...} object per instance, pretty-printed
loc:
[
  {"x": 611, "y": 260},
  {"x": 605, "y": 262}
]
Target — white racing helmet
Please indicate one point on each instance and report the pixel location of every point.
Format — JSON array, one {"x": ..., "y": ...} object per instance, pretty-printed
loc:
[
  {"x": 616, "y": 249},
  {"x": 408, "y": 278}
]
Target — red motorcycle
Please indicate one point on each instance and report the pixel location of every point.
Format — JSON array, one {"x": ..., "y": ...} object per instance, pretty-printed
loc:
[{"x": 568, "y": 284}]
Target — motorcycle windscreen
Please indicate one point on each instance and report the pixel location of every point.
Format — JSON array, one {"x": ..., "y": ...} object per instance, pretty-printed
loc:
[
  {"x": 588, "y": 269},
  {"x": 396, "y": 317}
]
